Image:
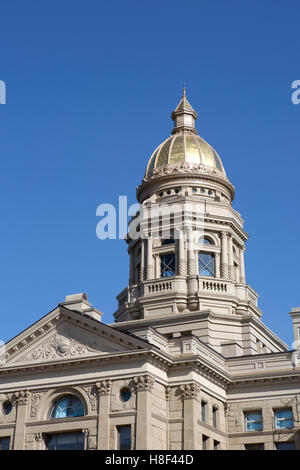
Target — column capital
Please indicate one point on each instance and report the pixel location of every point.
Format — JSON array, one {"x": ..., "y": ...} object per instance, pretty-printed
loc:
[
  {"x": 38, "y": 437},
  {"x": 22, "y": 397},
  {"x": 104, "y": 387},
  {"x": 144, "y": 382},
  {"x": 189, "y": 391}
]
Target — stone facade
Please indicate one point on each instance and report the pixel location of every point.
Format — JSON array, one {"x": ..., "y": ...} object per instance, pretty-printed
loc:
[{"x": 188, "y": 363}]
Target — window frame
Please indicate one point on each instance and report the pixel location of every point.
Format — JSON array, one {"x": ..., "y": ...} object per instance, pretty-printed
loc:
[
  {"x": 63, "y": 397},
  {"x": 279, "y": 410},
  {"x": 119, "y": 436},
  {"x": 56, "y": 435},
  {"x": 161, "y": 255},
  {"x": 246, "y": 421},
  {"x": 213, "y": 255}
]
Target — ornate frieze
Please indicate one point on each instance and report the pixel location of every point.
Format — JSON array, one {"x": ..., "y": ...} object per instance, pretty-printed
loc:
[
  {"x": 189, "y": 391},
  {"x": 104, "y": 387},
  {"x": 143, "y": 382}
]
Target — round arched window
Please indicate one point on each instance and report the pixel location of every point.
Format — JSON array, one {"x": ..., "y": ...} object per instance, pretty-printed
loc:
[
  {"x": 205, "y": 241},
  {"x": 125, "y": 394},
  {"x": 6, "y": 407},
  {"x": 67, "y": 407}
]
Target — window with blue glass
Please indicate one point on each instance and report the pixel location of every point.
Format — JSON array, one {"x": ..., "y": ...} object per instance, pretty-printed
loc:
[
  {"x": 67, "y": 407},
  {"x": 124, "y": 437},
  {"x": 168, "y": 241},
  {"x": 65, "y": 441},
  {"x": 205, "y": 241},
  {"x": 285, "y": 445},
  {"x": 206, "y": 262},
  {"x": 284, "y": 418},
  {"x": 167, "y": 265},
  {"x": 4, "y": 443},
  {"x": 253, "y": 421}
]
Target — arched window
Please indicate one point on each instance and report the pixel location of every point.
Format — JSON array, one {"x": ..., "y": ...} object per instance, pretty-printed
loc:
[
  {"x": 168, "y": 241},
  {"x": 67, "y": 407},
  {"x": 205, "y": 241}
]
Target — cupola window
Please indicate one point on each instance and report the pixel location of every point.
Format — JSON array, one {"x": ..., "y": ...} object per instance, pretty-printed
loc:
[
  {"x": 205, "y": 241},
  {"x": 167, "y": 263},
  {"x": 168, "y": 241},
  {"x": 206, "y": 262}
]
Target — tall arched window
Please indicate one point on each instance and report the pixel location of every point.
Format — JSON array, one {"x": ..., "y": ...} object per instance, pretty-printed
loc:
[{"x": 67, "y": 407}]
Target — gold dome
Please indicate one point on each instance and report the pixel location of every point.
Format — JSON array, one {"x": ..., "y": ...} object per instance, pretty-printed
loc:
[
  {"x": 184, "y": 145},
  {"x": 184, "y": 148}
]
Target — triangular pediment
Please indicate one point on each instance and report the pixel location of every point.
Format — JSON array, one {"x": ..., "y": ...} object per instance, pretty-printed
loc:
[{"x": 64, "y": 334}]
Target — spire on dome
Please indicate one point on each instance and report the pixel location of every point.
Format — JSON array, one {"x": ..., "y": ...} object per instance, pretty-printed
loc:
[{"x": 184, "y": 116}]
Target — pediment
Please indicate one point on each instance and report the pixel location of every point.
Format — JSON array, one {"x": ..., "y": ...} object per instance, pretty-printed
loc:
[{"x": 66, "y": 336}]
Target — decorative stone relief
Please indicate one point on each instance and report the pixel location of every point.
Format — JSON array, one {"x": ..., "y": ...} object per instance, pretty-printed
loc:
[
  {"x": 91, "y": 392},
  {"x": 68, "y": 345},
  {"x": 21, "y": 398},
  {"x": 168, "y": 393},
  {"x": 189, "y": 391},
  {"x": 35, "y": 400},
  {"x": 144, "y": 382},
  {"x": 104, "y": 387}
]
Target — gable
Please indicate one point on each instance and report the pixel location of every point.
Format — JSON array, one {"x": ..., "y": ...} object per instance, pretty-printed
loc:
[{"x": 67, "y": 334}]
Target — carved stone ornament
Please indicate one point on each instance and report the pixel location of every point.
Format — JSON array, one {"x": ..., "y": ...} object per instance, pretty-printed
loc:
[
  {"x": 21, "y": 398},
  {"x": 38, "y": 437},
  {"x": 185, "y": 167},
  {"x": 62, "y": 346},
  {"x": 189, "y": 391},
  {"x": 168, "y": 393},
  {"x": 91, "y": 392},
  {"x": 104, "y": 387},
  {"x": 35, "y": 400},
  {"x": 144, "y": 382}
]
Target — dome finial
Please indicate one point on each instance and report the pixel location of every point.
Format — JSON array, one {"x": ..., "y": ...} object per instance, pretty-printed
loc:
[{"x": 184, "y": 115}]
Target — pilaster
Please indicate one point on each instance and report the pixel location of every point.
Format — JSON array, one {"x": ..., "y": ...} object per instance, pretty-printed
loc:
[
  {"x": 143, "y": 385},
  {"x": 104, "y": 391},
  {"x": 189, "y": 394},
  {"x": 21, "y": 401}
]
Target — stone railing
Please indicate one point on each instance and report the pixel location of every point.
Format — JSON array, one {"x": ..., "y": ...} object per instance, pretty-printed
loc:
[
  {"x": 158, "y": 286},
  {"x": 214, "y": 286}
]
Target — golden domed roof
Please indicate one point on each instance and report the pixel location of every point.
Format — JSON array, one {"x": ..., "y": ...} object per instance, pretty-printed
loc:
[
  {"x": 184, "y": 148},
  {"x": 184, "y": 145}
]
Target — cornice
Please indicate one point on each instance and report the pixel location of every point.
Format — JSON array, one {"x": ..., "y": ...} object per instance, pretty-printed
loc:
[{"x": 182, "y": 172}]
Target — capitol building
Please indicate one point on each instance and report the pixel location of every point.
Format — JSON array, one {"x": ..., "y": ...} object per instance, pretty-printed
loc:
[{"x": 188, "y": 363}]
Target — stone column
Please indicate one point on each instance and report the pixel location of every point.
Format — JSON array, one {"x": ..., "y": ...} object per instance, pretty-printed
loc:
[
  {"x": 217, "y": 259},
  {"x": 230, "y": 258},
  {"x": 142, "y": 270},
  {"x": 189, "y": 394},
  {"x": 242, "y": 266},
  {"x": 104, "y": 390},
  {"x": 86, "y": 433},
  {"x": 21, "y": 401},
  {"x": 157, "y": 266},
  {"x": 224, "y": 255},
  {"x": 131, "y": 269},
  {"x": 149, "y": 262},
  {"x": 190, "y": 253},
  {"x": 181, "y": 253},
  {"x": 144, "y": 384}
]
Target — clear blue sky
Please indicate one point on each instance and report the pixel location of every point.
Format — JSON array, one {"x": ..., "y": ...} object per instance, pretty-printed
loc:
[{"x": 90, "y": 88}]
